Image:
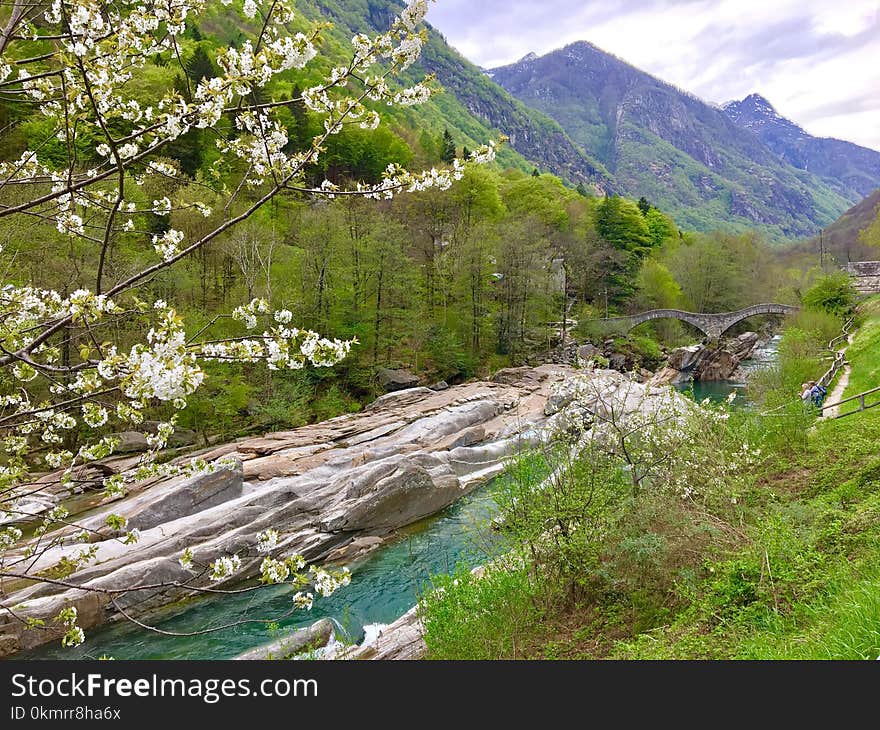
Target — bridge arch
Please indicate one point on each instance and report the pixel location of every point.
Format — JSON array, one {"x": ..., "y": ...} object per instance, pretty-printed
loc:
[{"x": 713, "y": 325}]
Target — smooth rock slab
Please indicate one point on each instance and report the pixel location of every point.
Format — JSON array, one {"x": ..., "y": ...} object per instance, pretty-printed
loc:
[
  {"x": 190, "y": 496},
  {"x": 316, "y": 636}
]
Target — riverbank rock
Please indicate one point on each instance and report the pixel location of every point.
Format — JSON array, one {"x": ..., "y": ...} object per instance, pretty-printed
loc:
[
  {"x": 187, "y": 497},
  {"x": 588, "y": 352},
  {"x": 711, "y": 361},
  {"x": 316, "y": 636},
  {"x": 401, "y": 639},
  {"x": 355, "y": 549},
  {"x": 391, "y": 380}
]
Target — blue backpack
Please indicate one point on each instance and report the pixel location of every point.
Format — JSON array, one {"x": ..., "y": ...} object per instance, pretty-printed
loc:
[{"x": 818, "y": 392}]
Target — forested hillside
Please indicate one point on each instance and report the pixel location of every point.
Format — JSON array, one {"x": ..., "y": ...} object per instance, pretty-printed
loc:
[{"x": 447, "y": 284}]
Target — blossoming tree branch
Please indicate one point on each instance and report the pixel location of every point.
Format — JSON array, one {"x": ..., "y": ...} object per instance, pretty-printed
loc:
[{"x": 62, "y": 364}]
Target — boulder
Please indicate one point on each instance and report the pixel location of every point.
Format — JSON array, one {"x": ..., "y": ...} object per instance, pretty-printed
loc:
[
  {"x": 684, "y": 358},
  {"x": 189, "y": 496},
  {"x": 588, "y": 352},
  {"x": 401, "y": 639},
  {"x": 130, "y": 441},
  {"x": 440, "y": 385},
  {"x": 391, "y": 380},
  {"x": 669, "y": 376},
  {"x": 617, "y": 361},
  {"x": 710, "y": 361},
  {"x": 511, "y": 376},
  {"x": 300, "y": 641}
]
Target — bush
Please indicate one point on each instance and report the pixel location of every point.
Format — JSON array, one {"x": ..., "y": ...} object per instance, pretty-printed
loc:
[
  {"x": 822, "y": 326},
  {"x": 648, "y": 351},
  {"x": 488, "y": 617},
  {"x": 833, "y": 293}
]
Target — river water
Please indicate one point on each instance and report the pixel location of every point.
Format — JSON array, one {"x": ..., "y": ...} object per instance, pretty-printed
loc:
[
  {"x": 718, "y": 390},
  {"x": 385, "y": 584}
]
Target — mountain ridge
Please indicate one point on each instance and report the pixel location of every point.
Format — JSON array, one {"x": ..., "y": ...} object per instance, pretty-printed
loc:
[
  {"x": 851, "y": 166},
  {"x": 532, "y": 134},
  {"x": 669, "y": 145}
]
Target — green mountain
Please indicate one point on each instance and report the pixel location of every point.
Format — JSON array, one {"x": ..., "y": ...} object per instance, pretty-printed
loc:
[
  {"x": 841, "y": 238},
  {"x": 474, "y": 108},
  {"x": 663, "y": 143}
]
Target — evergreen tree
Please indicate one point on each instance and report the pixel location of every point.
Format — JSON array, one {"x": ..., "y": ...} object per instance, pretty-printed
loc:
[
  {"x": 620, "y": 223},
  {"x": 582, "y": 190},
  {"x": 465, "y": 153},
  {"x": 535, "y": 173},
  {"x": 299, "y": 132},
  {"x": 448, "y": 147},
  {"x": 186, "y": 149},
  {"x": 644, "y": 205},
  {"x": 199, "y": 66}
]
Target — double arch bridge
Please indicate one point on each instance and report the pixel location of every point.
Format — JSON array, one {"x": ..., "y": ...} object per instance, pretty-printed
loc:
[{"x": 712, "y": 325}]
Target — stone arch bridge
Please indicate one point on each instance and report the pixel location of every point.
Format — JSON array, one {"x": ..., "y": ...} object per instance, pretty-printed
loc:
[{"x": 713, "y": 325}]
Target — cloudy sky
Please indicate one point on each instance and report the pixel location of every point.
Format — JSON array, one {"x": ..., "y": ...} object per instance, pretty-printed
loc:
[{"x": 816, "y": 61}]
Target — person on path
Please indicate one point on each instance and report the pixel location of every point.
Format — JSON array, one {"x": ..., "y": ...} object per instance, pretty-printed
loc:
[
  {"x": 817, "y": 394},
  {"x": 805, "y": 392}
]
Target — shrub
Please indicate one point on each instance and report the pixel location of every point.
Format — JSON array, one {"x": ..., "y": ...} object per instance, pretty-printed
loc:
[
  {"x": 487, "y": 617},
  {"x": 833, "y": 293}
]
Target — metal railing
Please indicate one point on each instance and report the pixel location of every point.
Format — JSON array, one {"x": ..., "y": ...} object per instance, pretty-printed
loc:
[{"x": 829, "y": 374}]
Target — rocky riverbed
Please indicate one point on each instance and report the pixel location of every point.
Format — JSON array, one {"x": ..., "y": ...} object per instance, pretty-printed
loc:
[
  {"x": 333, "y": 490},
  {"x": 707, "y": 361}
]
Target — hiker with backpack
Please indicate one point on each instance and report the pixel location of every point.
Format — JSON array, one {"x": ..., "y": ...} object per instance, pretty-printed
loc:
[{"x": 817, "y": 394}]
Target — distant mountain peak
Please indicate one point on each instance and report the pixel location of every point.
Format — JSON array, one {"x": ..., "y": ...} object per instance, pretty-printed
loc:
[
  {"x": 531, "y": 56},
  {"x": 758, "y": 100},
  {"x": 853, "y": 167},
  {"x": 755, "y": 112},
  {"x": 709, "y": 166}
]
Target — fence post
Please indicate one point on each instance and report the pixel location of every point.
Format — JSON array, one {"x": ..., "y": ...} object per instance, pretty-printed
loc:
[{"x": 862, "y": 402}]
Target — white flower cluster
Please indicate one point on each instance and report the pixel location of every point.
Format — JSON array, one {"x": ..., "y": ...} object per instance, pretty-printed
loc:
[
  {"x": 262, "y": 147},
  {"x": 274, "y": 571},
  {"x": 163, "y": 368},
  {"x": 327, "y": 583},
  {"x": 224, "y": 567},
  {"x": 168, "y": 244},
  {"x": 8, "y": 537},
  {"x": 73, "y": 635},
  {"x": 303, "y": 600},
  {"x": 267, "y": 540}
]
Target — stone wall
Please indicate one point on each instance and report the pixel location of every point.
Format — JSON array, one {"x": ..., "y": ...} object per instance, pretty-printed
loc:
[{"x": 866, "y": 276}]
